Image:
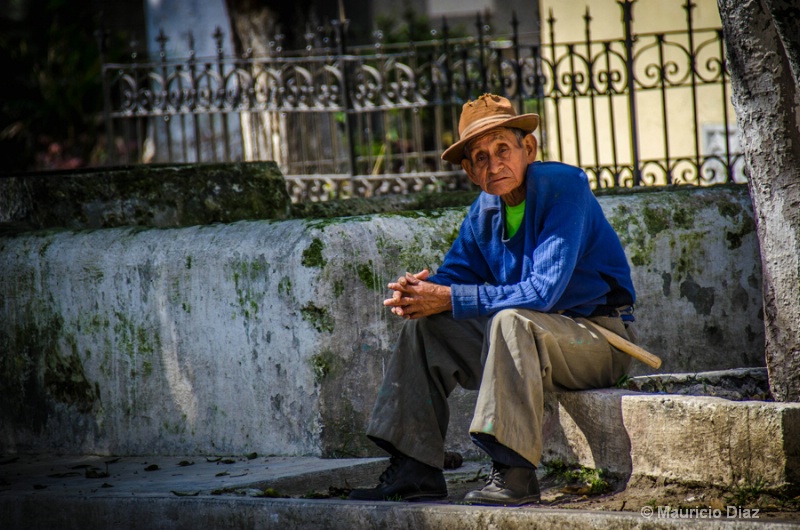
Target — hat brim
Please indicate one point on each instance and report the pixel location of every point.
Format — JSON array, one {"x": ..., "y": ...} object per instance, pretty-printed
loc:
[{"x": 527, "y": 122}]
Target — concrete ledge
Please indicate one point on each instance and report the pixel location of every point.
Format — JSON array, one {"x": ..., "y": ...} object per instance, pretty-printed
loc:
[
  {"x": 588, "y": 428},
  {"x": 679, "y": 438},
  {"x": 714, "y": 441},
  {"x": 152, "y": 195},
  {"x": 160, "y": 512},
  {"x": 271, "y": 336}
]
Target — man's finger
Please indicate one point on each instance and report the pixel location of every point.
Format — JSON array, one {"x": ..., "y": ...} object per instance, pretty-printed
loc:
[
  {"x": 411, "y": 279},
  {"x": 394, "y": 286},
  {"x": 397, "y": 302}
]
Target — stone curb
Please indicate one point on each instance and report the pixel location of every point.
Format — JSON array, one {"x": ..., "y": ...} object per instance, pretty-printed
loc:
[{"x": 159, "y": 512}]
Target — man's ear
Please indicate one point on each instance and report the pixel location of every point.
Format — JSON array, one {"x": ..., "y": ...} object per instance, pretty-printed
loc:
[
  {"x": 466, "y": 165},
  {"x": 531, "y": 146}
]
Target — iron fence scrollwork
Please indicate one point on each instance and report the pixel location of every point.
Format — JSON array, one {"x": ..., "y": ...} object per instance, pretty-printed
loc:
[{"x": 346, "y": 120}]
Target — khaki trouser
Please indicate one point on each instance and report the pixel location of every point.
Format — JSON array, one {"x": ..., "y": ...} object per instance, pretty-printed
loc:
[{"x": 510, "y": 358}]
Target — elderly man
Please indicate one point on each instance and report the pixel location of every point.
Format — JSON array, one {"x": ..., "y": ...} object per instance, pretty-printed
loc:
[{"x": 510, "y": 313}]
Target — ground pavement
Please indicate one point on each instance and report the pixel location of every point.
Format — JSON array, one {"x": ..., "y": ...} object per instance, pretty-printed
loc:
[{"x": 254, "y": 491}]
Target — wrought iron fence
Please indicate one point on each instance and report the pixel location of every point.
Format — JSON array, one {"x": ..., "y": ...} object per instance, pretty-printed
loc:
[{"x": 344, "y": 121}]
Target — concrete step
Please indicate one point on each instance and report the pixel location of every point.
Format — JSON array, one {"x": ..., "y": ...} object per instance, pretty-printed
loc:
[
  {"x": 672, "y": 436},
  {"x": 103, "y": 476},
  {"x": 42, "y": 492}
]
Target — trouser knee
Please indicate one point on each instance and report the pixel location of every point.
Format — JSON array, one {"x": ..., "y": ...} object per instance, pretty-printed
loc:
[{"x": 505, "y": 321}]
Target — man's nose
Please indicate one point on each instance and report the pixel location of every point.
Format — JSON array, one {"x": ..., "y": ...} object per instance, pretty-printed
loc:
[{"x": 494, "y": 164}]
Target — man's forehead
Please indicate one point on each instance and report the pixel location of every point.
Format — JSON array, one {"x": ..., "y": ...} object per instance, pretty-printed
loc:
[{"x": 500, "y": 133}]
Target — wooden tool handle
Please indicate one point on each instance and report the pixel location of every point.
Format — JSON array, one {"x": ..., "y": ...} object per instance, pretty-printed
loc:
[{"x": 628, "y": 347}]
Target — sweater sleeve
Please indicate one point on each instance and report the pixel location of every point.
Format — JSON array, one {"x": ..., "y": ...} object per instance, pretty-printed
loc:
[{"x": 554, "y": 259}]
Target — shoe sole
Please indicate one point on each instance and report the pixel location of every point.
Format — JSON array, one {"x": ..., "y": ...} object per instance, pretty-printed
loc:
[{"x": 498, "y": 502}]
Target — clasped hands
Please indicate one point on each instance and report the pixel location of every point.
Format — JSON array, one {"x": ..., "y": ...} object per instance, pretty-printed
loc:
[{"x": 413, "y": 297}]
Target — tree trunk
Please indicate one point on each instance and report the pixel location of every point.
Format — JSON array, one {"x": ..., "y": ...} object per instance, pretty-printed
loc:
[
  {"x": 253, "y": 25},
  {"x": 763, "y": 47}
]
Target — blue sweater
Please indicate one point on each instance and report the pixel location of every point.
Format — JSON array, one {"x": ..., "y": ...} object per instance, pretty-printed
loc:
[{"x": 564, "y": 257}]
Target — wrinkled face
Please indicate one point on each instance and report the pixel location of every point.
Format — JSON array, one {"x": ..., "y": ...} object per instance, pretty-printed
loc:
[{"x": 497, "y": 160}]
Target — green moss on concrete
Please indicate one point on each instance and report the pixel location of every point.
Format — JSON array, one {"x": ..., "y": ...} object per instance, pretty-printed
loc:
[
  {"x": 413, "y": 256},
  {"x": 92, "y": 323},
  {"x": 683, "y": 218},
  {"x": 321, "y": 224},
  {"x": 735, "y": 238},
  {"x": 673, "y": 213},
  {"x": 450, "y": 238},
  {"x": 728, "y": 209},
  {"x": 338, "y": 288},
  {"x": 65, "y": 381},
  {"x": 41, "y": 365},
  {"x": 411, "y": 203},
  {"x": 656, "y": 220},
  {"x": 343, "y": 436},
  {"x": 137, "y": 342},
  {"x": 692, "y": 254},
  {"x": 318, "y": 317},
  {"x": 662, "y": 213},
  {"x": 323, "y": 364},
  {"x": 177, "y": 428},
  {"x": 312, "y": 256},
  {"x": 639, "y": 244},
  {"x": 151, "y": 195},
  {"x": 24, "y": 397},
  {"x": 366, "y": 273},
  {"x": 285, "y": 286},
  {"x": 247, "y": 277},
  {"x": 430, "y": 240}
]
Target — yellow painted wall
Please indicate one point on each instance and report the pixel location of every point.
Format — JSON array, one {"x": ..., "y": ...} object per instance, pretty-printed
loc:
[
  {"x": 649, "y": 16},
  {"x": 575, "y": 143}
]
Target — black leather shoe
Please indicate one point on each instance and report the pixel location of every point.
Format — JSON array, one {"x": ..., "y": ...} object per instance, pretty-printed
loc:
[
  {"x": 507, "y": 486},
  {"x": 405, "y": 479}
]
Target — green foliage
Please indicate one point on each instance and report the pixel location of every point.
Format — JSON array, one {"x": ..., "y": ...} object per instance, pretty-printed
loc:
[
  {"x": 49, "y": 115},
  {"x": 410, "y": 26},
  {"x": 271, "y": 493},
  {"x": 747, "y": 491},
  {"x": 592, "y": 481},
  {"x": 622, "y": 382}
]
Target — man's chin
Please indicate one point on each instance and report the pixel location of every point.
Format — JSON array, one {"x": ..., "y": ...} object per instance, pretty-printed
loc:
[{"x": 499, "y": 190}]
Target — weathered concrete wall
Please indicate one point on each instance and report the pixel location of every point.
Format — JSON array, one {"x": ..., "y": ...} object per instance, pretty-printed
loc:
[
  {"x": 271, "y": 336},
  {"x": 696, "y": 269}
]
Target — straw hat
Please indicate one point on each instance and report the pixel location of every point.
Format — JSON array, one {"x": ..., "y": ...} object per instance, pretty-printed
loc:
[{"x": 486, "y": 112}]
